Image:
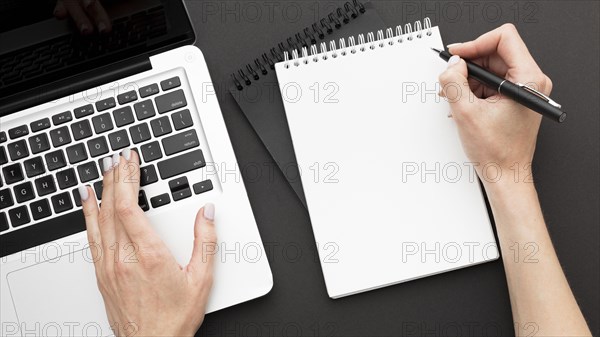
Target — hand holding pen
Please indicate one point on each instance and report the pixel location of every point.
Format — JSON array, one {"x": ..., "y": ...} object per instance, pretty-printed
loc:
[{"x": 493, "y": 128}]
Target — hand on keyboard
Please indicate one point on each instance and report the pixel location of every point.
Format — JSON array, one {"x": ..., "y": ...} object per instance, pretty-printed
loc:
[
  {"x": 85, "y": 13},
  {"x": 146, "y": 292}
]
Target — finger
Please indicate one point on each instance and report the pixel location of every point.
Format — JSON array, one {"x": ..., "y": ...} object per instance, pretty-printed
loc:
[
  {"x": 504, "y": 40},
  {"x": 205, "y": 243},
  {"x": 75, "y": 10},
  {"x": 130, "y": 215},
  {"x": 107, "y": 218},
  {"x": 120, "y": 232},
  {"x": 96, "y": 11},
  {"x": 60, "y": 12},
  {"x": 455, "y": 87},
  {"x": 90, "y": 213}
]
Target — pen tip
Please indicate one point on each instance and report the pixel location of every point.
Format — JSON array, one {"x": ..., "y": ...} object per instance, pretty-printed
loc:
[{"x": 436, "y": 50}]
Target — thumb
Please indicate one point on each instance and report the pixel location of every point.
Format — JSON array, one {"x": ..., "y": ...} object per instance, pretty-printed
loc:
[
  {"x": 205, "y": 242},
  {"x": 455, "y": 87}
]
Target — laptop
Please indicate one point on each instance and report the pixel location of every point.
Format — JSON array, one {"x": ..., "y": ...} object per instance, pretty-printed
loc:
[{"x": 68, "y": 100}]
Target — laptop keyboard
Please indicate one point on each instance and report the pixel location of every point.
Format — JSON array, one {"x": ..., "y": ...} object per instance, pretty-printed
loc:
[{"x": 44, "y": 161}]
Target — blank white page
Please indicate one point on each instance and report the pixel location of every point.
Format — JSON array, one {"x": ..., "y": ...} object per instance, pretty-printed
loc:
[{"x": 391, "y": 194}]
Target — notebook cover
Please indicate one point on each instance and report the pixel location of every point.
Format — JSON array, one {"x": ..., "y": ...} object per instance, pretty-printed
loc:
[{"x": 265, "y": 112}]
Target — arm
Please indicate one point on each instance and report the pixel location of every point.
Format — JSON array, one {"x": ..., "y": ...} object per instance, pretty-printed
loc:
[{"x": 494, "y": 129}]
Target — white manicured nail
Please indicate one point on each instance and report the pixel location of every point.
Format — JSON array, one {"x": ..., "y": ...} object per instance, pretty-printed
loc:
[
  {"x": 453, "y": 60},
  {"x": 83, "y": 192},
  {"x": 107, "y": 164},
  {"x": 127, "y": 154},
  {"x": 116, "y": 160},
  {"x": 209, "y": 211},
  {"x": 453, "y": 45}
]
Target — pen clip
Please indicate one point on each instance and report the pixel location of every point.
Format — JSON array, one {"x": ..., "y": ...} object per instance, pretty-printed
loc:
[{"x": 539, "y": 94}]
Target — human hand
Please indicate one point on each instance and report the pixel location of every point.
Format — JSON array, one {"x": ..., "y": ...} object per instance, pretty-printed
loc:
[
  {"x": 86, "y": 15},
  {"x": 494, "y": 130},
  {"x": 145, "y": 290}
]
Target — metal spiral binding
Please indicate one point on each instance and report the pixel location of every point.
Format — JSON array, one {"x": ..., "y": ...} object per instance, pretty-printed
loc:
[
  {"x": 391, "y": 36},
  {"x": 300, "y": 41}
]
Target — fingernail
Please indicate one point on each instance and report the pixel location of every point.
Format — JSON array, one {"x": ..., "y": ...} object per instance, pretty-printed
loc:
[
  {"x": 209, "y": 211},
  {"x": 127, "y": 154},
  {"x": 116, "y": 160},
  {"x": 453, "y": 60},
  {"x": 107, "y": 164},
  {"x": 101, "y": 27},
  {"x": 84, "y": 28},
  {"x": 83, "y": 192},
  {"x": 453, "y": 44}
]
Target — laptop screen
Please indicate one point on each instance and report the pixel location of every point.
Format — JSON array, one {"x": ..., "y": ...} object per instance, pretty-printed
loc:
[{"x": 42, "y": 41}]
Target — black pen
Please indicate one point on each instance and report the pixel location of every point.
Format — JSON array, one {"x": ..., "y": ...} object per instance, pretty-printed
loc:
[{"x": 518, "y": 92}]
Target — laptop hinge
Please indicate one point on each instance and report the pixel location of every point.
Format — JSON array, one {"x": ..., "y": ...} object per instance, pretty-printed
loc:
[{"x": 74, "y": 84}]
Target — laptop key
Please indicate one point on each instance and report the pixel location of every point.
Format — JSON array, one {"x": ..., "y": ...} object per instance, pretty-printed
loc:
[
  {"x": 97, "y": 146},
  {"x": 17, "y": 150},
  {"x": 149, "y": 90},
  {"x": 45, "y": 185},
  {"x": 83, "y": 111},
  {"x": 77, "y": 153},
  {"x": 98, "y": 187},
  {"x": 118, "y": 140},
  {"x": 81, "y": 129},
  {"x": 203, "y": 186},
  {"x": 123, "y": 116},
  {"x": 34, "y": 167},
  {"x": 127, "y": 97},
  {"x": 161, "y": 126},
  {"x": 24, "y": 192},
  {"x": 160, "y": 200},
  {"x": 12, "y": 173},
  {"x": 139, "y": 133},
  {"x": 148, "y": 175},
  {"x": 171, "y": 83},
  {"x": 151, "y": 151},
  {"x": 171, "y": 101},
  {"x": 77, "y": 197},
  {"x": 55, "y": 160},
  {"x": 143, "y": 202},
  {"x": 3, "y": 222},
  {"x": 182, "y": 119},
  {"x": 6, "y": 199},
  {"x": 60, "y": 136},
  {"x": 182, "y": 194},
  {"x": 2, "y": 137},
  {"x": 39, "y": 143},
  {"x": 19, "y": 216},
  {"x": 180, "y": 142},
  {"x": 40, "y": 209},
  {"x": 62, "y": 118},
  {"x": 66, "y": 178},
  {"x": 144, "y": 110},
  {"x": 19, "y": 131},
  {"x": 62, "y": 202},
  {"x": 3, "y": 157},
  {"x": 102, "y": 123},
  {"x": 40, "y": 125},
  {"x": 106, "y": 104},
  {"x": 181, "y": 164},
  {"x": 88, "y": 172},
  {"x": 178, "y": 184}
]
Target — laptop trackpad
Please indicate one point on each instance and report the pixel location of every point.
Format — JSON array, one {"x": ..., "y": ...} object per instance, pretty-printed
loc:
[{"x": 59, "y": 298}]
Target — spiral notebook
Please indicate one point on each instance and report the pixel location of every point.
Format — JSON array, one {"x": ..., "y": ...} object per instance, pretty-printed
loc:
[
  {"x": 390, "y": 192},
  {"x": 254, "y": 86}
]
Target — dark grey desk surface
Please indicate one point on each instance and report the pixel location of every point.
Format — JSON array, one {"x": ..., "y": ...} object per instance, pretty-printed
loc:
[{"x": 563, "y": 37}]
